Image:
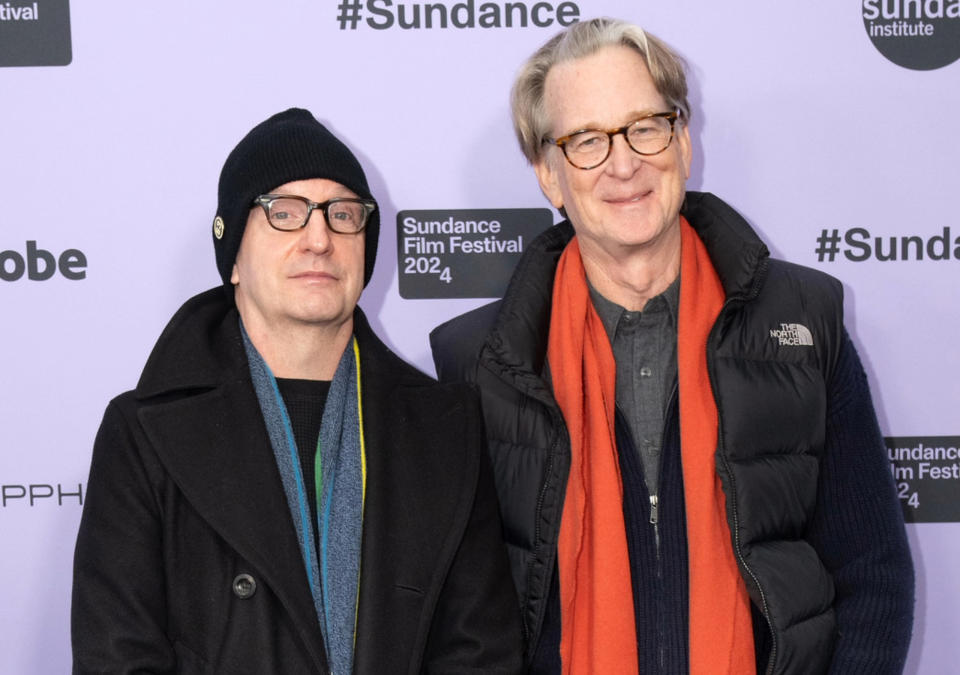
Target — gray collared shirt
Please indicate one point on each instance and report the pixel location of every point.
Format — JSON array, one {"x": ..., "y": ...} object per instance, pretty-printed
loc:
[{"x": 645, "y": 350}]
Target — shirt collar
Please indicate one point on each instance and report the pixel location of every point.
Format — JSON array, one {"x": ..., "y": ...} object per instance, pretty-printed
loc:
[{"x": 611, "y": 313}]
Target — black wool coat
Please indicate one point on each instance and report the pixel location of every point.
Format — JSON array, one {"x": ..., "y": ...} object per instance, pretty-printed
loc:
[{"x": 187, "y": 560}]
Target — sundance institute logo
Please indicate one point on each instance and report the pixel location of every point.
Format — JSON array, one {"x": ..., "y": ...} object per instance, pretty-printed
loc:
[{"x": 915, "y": 34}]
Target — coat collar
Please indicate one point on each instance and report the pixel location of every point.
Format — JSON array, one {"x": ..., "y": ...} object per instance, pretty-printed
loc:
[
  {"x": 519, "y": 333},
  {"x": 737, "y": 253},
  {"x": 200, "y": 348}
]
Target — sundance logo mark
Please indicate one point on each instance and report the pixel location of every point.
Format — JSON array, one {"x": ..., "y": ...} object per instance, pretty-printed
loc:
[
  {"x": 35, "y": 33},
  {"x": 465, "y": 14},
  {"x": 915, "y": 34}
]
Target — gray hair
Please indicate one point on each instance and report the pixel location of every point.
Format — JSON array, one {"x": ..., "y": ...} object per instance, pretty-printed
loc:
[{"x": 580, "y": 40}]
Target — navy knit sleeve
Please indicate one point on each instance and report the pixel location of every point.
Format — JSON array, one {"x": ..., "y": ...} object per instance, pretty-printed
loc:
[{"x": 858, "y": 531}]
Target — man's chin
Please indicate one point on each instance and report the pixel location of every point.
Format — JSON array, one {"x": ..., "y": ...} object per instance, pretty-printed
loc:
[{"x": 323, "y": 316}]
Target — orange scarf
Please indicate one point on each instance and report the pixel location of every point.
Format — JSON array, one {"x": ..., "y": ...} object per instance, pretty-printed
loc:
[{"x": 598, "y": 632}]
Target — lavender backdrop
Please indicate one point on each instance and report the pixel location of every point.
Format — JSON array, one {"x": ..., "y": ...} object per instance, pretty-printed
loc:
[{"x": 800, "y": 122}]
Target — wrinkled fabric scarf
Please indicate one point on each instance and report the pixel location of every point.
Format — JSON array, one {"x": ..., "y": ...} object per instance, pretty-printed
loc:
[
  {"x": 598, "y": 632},
  {"x": 340, "y": 478}
]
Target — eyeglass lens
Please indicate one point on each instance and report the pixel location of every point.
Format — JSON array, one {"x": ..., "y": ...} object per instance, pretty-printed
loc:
[
  {"x": 287, "y": 213},
  {"x": 647, "y": 136}
]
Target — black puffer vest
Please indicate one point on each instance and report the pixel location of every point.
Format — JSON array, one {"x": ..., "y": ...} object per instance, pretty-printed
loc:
[{"x": 770, "y": 355}]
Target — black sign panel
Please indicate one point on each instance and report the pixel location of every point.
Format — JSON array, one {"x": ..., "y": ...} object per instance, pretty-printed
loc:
[
  {"x": 926, "y": 470},
  {"x": 463, "y": 253},
  {"x": 35, "y": 33}
]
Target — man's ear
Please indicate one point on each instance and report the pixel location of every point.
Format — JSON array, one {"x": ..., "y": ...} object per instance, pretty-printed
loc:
[
  {"x": 235, "y": 275},
  {"x": 549, "y": 181},
  {"x": 686, "y": 149}
]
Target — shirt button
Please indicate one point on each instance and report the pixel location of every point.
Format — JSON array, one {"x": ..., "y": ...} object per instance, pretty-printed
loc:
[
  {"x": 646, "y": 371},
  {"x": 244, "y": 586}
]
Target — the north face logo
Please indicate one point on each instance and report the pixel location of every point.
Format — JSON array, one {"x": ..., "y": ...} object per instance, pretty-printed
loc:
[{"x": 792, "y": 335}]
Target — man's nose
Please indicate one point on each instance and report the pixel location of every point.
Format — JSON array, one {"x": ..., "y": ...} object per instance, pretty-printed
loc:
[
  {"x": 623, "y": 160},
  {"x": 315, "y": 235}
]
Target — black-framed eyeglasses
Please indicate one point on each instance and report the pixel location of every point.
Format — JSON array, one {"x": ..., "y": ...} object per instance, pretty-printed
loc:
[
  {"x": 344, "y": 215},
  {"x": 589, "y": 148}
]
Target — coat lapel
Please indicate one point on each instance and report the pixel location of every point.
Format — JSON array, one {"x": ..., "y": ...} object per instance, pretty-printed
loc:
[
  {"x": 389, "y": 558},
  {"x": 215, "y": 447},
  {"x": 208, "y": 430},
  {"x": 382, "y": 555},
  {"x": 408, "y": 517}
]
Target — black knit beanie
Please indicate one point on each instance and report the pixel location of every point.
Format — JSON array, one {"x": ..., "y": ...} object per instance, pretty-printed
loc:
[{"x": 291, "y": 145}]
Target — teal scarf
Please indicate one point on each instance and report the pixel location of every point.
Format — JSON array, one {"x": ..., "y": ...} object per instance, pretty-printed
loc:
[{"x": 340, "y": 477}]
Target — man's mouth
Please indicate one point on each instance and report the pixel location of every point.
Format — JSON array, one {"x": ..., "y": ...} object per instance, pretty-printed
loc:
[
  {"x": 629, "y": 199},
  {"x": 313, "y": 275}
]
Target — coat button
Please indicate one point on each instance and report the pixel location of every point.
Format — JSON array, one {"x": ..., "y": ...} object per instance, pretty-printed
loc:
[{"x": 244, "y": 586}]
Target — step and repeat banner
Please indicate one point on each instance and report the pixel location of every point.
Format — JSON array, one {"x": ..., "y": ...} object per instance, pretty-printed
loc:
[{"x": 831, "y": 126}]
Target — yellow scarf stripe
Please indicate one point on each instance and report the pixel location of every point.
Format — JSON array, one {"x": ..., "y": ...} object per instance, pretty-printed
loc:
[
  {"x": 363, "y": 472},
  {"x": 363, "y": 447}
]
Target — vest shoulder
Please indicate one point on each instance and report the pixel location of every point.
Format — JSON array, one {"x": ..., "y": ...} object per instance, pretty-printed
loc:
[
  {"x": 795, "y": 319},
  {"x": 788, "y": 277}
]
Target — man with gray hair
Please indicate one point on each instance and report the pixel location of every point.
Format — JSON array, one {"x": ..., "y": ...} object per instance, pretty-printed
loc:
[
  {"x": 689, "y": 466},
  {"x": 281, "y": 493}
]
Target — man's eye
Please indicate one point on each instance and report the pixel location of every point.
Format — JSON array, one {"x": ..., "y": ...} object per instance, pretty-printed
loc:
[
  {"x": 587, "y": 142},
  {"x": 349, "y": 216}
]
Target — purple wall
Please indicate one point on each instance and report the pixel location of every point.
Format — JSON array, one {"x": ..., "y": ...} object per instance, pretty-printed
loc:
[{"x": 110, "y": 164}]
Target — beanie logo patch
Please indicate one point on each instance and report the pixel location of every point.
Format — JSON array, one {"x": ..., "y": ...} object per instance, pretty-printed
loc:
[{"x": 218, "y": 227}]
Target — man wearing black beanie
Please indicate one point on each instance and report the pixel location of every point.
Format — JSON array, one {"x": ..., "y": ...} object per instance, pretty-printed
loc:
[{"x": 281, "y": 493}]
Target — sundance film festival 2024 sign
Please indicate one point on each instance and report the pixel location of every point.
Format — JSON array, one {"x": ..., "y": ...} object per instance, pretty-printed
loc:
[
  {"x": 467, "y": 253},
  {"x": 35, "y": 33},
  {"x": 926, "y": 470}
]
